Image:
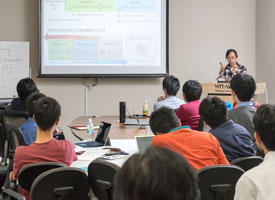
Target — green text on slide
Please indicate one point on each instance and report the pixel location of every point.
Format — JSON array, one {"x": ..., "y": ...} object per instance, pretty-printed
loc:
[{"x": 89, "y": 5}]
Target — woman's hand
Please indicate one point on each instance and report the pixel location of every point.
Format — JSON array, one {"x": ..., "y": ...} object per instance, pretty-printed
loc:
[
  {"x": 12, "y": 176},
  {"x": 222, "y": 68}
]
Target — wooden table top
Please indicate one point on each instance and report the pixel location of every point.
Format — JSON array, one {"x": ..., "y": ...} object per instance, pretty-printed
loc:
[{"x": 117, "y": 131}]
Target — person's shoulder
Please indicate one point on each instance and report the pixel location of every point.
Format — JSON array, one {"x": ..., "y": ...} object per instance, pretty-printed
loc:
[
  {"x": 207, "y": 136},
  {"x": 251, "y": 175},
  {"x": 22, "y": 150},
  {"x": 62, "y": 144},
  {"x": 239, "y": 129}
]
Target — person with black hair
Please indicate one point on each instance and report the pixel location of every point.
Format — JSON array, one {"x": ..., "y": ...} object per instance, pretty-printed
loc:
[
  {"x": 45, "y": 148},
  {"x": 157, "y": 174},
  {"x": 243, "y": 89},
  {"x": 25, "y": 87},
  {"x": 170, "y": 86},
  {"x": 233, "y": 67},
  {"x": 201, "y": 149},
  {"x": 28, "y": 129},
  {"x": 189, "y": 112},
  {"x": 234, "y": 139},
  {"x": 258, "y": 182}
]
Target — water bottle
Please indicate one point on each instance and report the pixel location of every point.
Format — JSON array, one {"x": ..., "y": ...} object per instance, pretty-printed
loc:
[
  {"x": 145, "y": 108},
  {"x": 90, "y": 128}
]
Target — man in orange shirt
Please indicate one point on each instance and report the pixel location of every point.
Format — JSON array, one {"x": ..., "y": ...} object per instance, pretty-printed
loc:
[{"x": 200, "y": 149}]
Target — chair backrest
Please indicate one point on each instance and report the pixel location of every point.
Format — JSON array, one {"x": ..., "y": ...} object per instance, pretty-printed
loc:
[
  {"x": 247, "y": 163},
  {"x": 16, "y": 118},
  {"x": 8, "y": 194},
  {"x": 218, "y": 182},
  {"x": 101, "y": 174},
  {"x": 9, "y": 119},
  {"x": 30, "y": 172},
  {"x": 15, "y": 137},
  {"x": 62, "y": 183},
  {"x": 2, "y": 140}
]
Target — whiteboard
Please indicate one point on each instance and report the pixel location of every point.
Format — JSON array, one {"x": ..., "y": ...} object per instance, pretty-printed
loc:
[{"x": 14, "y": 65}]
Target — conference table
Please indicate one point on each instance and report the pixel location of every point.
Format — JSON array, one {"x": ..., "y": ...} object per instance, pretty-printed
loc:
[
  {"x": 121, "y": 136},
  {"x": 117, "y": 131}
]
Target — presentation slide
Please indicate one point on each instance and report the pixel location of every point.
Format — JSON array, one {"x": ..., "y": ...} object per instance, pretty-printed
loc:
[{"x": 103, "y": 37}]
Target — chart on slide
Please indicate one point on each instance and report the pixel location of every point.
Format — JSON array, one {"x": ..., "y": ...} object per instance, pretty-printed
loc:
[{"x": 101, "y": 33}]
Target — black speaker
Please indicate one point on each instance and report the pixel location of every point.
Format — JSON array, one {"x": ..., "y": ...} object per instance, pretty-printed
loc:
[{"x": 122, "y": 111}]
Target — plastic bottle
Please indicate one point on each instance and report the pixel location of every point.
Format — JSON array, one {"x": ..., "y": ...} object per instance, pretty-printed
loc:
[
  {"x": 145, "y": 108},
  {"x": 90, "y": 128}
]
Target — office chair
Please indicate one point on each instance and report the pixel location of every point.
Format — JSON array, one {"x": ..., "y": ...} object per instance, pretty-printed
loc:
[
  {"x": 218, "y": 182},
  {"x": 66, "y": 183},
  {"x": 247, "y": 163},
  {"x": 8, "y": 194},
  {"x": 14, "y": 118},
  {"x": 14, "y": 139},
  {"x": 101, "y": 174},
  {"x": 30, "y": 172}
]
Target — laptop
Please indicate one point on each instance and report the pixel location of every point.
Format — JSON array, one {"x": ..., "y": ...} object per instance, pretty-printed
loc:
[
  {"x": 143, "y": 142},
  {"x": 102, "y": 138},
  {"x": 143, "y": 122}
]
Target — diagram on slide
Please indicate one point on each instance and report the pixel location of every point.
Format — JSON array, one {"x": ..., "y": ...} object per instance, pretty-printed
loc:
[{"x": 101, "y": 32}]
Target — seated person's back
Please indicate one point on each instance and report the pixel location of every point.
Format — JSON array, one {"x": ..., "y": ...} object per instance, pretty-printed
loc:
[
  {"x": 234, "y": 139},
  {"x": 243, "y": 89},
  {"x": 45, "y": 148},
  {"x": 157, "y": 174},
  {"x": 25, "y": 87},
  {"x": 200, "y": 149},
  {"x": 28, "y": 129},
  {"x": 189, "y": 112},
  {"x": 171, "y": 86},
  {"x": 257, "y": 183}
]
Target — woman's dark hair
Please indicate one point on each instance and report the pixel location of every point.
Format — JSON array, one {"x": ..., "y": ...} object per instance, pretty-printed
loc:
[
  {"x": 171, "y": 84},
  {"x": 25, "y": 87},
  {"x": 157, "y": 174},
  {"x": 213, "y": 111},
  {"x": 264, "y": 124},
  {"x": 192, "y": 90},
  {"x": 229, "y": 51}
]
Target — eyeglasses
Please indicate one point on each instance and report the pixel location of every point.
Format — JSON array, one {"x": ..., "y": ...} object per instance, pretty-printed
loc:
[{"x": 231, "y": 58}]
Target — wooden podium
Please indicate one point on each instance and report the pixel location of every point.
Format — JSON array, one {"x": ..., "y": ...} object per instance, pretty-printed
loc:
[{"x": 223, "y": 90}]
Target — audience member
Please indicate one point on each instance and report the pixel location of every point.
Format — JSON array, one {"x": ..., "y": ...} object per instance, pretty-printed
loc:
[
  {"x": 234, "y": 139},
  {"x": 201, "y": 149},
  {"x": 45, "y": 148},
  {"x": 189, "y": 112},
  {"x": 28, "y": 129},
  {"x": 157, "y": 174},
  {"x": 171, "y": 86},
  {"x": 243, "y": 88},
  {"x": 25, "y": 88},
  {"x": 257, "y": 183}
]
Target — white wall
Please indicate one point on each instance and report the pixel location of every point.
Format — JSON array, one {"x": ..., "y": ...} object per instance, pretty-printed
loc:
[
  {"x": 265, "y": 41},
  {"x": 200, "y": 33}
]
